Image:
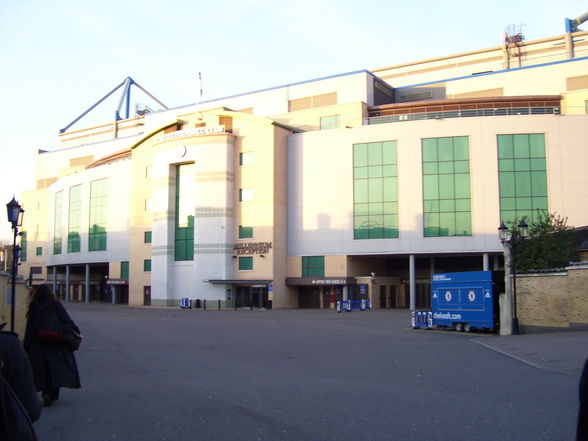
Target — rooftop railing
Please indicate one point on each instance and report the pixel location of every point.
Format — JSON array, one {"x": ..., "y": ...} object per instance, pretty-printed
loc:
[{"x": 509, "y": 111}]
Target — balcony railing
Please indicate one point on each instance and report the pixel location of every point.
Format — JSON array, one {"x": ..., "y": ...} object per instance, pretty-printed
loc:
[{"x": 510, "y": 111}]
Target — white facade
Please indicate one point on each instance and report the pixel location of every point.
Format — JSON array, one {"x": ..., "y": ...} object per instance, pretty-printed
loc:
[
  {"x": 118, "y": 177},
  {"x": 320, "y": 182},
  {"x": 214, "y": 218}
]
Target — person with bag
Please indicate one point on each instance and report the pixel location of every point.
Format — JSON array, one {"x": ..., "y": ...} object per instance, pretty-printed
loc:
[
  {"x": 19, "y": 403},
  {"x": 51, "y": 336}
]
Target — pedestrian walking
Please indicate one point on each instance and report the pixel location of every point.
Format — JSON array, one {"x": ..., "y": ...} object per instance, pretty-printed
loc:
[
  {"x": 47, "y": 342},
  {"x": 19, "y": 403}
]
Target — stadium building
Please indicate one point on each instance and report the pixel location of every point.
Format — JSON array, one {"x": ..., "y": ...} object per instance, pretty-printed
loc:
[{"x": 358, "y": 185}]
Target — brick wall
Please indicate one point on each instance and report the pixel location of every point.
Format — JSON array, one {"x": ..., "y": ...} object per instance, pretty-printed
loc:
[
  {"x": 557, "y": 301},
  {"x": 21, "y": 304}
]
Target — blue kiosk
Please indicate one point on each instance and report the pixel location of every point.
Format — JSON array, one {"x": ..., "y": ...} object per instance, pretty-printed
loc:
[{"x": 463, "y": 301}]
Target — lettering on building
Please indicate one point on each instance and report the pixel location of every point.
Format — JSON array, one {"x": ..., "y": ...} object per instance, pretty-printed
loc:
[
  {"x": 329, "y": 282},
  {"x": 252, "y": 248},
  {"x": 198, "y": 131}
]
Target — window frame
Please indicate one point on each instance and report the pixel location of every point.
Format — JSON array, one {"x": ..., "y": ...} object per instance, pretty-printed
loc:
[
  {"x": 245, "y": 263},
  {"x": 245, "y": 232},
  {"x": 313, "y": 266},
  {"x": 446, "y": 187}
]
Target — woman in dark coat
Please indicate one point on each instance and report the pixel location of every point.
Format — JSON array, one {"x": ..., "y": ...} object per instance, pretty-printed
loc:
[
  {"x": 53, "y": 362},
  {"x": 16, "y": 420}
]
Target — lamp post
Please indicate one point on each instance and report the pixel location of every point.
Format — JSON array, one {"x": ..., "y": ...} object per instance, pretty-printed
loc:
[
  {"x": 15, "y": 215},
  {"x": 509, "y": 240}
]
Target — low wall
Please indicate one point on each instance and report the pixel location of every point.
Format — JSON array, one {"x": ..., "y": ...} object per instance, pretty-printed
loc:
[
  {"x": 21, "y": 304},
  {"x": 553, "y": 301}
]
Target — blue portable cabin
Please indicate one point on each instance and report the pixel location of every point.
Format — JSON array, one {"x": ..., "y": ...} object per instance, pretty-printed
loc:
[{"x": 466, "y": 300}]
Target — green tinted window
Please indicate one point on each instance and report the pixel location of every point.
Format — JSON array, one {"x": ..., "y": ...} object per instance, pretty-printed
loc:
[
  {"x": 98, "y": 215},
  {"x": 124, "y": 270},
  {"x": 184, "y": 212},
  {"x": 147, "y": 237},
  {"x": 147, "y": 265},
  {"x": 375, "y": 190},
  {"x": 245, "y": 263},
  {"x": 245, "y": 232},
  {"x": 57, "y": 232},
  {"x": 330, "y": 122},
  {"x": 446, "y": 187},
  {"x": 522, "y": 176},
  {"x": 23, "y": 246},
  {"x": 313, "y": 266},
  {"x": 74, "y": 219}
]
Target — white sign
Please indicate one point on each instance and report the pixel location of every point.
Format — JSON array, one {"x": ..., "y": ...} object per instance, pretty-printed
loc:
[{"x": 197, "y": 131}]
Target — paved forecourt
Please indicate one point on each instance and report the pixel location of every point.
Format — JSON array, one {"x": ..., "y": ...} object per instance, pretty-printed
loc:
[{"x": 172, "y": 374}]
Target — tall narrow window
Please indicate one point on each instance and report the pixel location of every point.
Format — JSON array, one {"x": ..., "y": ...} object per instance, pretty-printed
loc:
[
  {"x": 184, "y": 217},
  {"x": 124, "y": 270},
  {"x": 446, "y": 187},
  {"x": 74, "y": 223},
  {"x": 313, "y": 266},
  {"x": 57, "y": 233},
  {"x": 375, "y": 190},
  {"x": 23, "y": 246},
  {"x": 522, "y": 175},
  {"x": 98, "y": 215}
]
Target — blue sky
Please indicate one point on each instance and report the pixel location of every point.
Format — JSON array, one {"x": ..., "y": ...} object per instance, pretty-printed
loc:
[{"x": 59, "y": 57}]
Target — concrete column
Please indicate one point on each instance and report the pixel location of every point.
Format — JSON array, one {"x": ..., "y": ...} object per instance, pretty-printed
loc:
[
  {"x": 54, "y": 284},
  {"x": 431, "y": 267},
  {"x": 67, "y": 287},
  {"x": 412, "y": 283},
  {"x": 87, "y": 284},
  {"x": 569, "y": 41},
  {"x": 485, "y": 262},
  {"x": 495, "y": 262},
  {"x": 113, "y": 293},
  {"x": 505, "y": 300},
  {"x": 345, "y": 292}
]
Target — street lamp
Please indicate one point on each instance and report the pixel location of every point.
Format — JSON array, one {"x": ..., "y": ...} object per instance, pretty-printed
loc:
[
  {"x": 510, "y": 240},
  {"x": 15, "y": 215}
]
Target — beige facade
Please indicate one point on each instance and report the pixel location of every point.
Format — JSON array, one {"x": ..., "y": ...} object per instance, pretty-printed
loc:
[
  {"x": 272, "y": 208},
  {"x": 539, "y": 67}
]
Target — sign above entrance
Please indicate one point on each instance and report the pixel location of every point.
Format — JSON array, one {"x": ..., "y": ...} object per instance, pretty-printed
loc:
[
  {"x": 117, "y": 282},
  {"x": 319, "y": 281},
  {"x": 197, "y": 131}
]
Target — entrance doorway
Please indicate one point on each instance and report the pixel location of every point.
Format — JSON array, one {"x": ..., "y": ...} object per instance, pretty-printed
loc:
[
  {"x": 247, "y": 296},
  {"x": 147, "y": 296}
]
